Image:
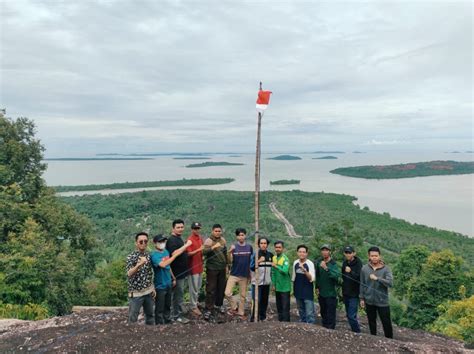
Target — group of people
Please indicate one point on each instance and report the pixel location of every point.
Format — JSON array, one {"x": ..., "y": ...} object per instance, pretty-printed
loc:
[{"x": 157, "y": 280}]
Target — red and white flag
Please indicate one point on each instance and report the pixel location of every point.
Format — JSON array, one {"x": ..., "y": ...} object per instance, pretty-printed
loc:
[{"x": 263, "y": 100}]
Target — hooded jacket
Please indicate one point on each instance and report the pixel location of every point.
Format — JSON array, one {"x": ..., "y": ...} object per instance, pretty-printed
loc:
[
  {"x": 264, "y": 268},
  {"x": 375, "y": 292}
]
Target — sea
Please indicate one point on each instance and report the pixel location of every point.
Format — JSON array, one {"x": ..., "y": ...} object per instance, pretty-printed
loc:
[{"x": 443, "y": 202}]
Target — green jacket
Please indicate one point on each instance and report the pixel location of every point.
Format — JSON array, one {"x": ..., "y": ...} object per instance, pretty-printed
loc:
[
  {"x": 326, "y": 281},
  {"x": 215, "y": 259},
  {"x": 281, "y": 279}
]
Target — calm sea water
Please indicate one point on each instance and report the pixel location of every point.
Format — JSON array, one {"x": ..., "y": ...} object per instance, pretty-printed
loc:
[{"x": 444, "y": 202}]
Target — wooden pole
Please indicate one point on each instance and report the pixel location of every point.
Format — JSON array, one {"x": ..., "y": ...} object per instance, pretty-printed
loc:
[{"x": 257, "y": 209}]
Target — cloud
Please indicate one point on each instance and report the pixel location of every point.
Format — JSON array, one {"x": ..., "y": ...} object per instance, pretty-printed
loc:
[{"x": 177, "y": 75}]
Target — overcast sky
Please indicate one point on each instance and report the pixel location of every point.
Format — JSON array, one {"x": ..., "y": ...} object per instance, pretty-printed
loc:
[{"x": 161, "y": 76}]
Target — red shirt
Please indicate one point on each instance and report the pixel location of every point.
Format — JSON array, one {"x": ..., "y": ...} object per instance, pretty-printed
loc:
[{"x": 195, "y": 262}]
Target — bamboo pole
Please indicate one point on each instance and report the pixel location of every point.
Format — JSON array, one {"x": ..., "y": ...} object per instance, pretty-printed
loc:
[{"x": 257, "y": 208}]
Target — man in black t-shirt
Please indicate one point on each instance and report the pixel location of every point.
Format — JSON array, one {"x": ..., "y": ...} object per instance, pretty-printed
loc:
[{"x": 180, "y": 270}]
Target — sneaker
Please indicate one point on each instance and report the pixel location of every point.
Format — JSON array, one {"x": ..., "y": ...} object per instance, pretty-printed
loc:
[
  {"x": 207, "y": 315},
  {"x": 182, "y": 320},
  {"x": 222, "y": 309},
  {"x": 232, "y": 312},
  {"x": 196, "y": 312}
]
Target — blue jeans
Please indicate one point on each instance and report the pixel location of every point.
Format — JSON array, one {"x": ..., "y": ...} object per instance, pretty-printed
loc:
[
  {"x": 306, "y": 310},
  {"x": 352, "y": 306}
]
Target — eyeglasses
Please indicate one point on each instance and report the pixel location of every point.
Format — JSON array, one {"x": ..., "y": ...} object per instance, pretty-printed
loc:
[{"x": 141, "y": 242}]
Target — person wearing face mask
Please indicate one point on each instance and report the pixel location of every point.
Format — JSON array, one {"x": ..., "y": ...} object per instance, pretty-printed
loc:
[{"x": 164, "y": 278}]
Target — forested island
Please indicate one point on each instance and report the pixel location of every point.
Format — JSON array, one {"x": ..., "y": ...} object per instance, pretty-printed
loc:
[
  {"x": 285, "y": 181},
  {"x": 97, "y": 159},
  {"x": 325, "y": 158},
  {"x": 285, "y": 158},
  {"x": 409, "y": 170},
  {"x": 211, "y": 164},
  {"x": 150, "y": 184}
]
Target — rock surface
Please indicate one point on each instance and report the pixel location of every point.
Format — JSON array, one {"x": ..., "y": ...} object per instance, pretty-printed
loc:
[{"x": 107, "y": 332}]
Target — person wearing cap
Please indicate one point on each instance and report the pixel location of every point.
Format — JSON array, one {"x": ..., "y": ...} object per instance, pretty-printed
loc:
[
  {"x": 281, "y": 281},
  {"x": 303, "y": 289},
  {"x": 164, "y": 278},
  {"x": 239, "y": 255},
  {"x": 140, "y": 281},
  {"x": 180, "y": 270},
  {"x": 195, "y": 265},
  {"x": 350, "y": 286},
  {"x": 327, "y": 276}
]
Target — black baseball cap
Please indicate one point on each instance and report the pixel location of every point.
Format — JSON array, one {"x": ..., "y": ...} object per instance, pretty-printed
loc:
[
  {"x": 349, "y": 249},
  {"x": 159, "y": 238},
  {"x": 325, "y": 246},
  {"x": 196, "y": 225}
]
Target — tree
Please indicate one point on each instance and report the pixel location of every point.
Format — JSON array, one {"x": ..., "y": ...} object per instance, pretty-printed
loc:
[
  {"x": 108, "y": 287},
  {"x": 338, "y": 236},
  {"x": 439, "y": 280},
  {"x": 47, "y": 249},
  {"x": 456, "y": 320},
  {"x": 408, "y": 267},
  {"x": 20, "y": 157}
]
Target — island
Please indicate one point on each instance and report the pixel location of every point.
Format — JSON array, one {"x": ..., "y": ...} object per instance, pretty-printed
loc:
[
  {"x": 191, "y": 158},
  {"x": 284, "y": 158},
  {"x": 285, "y": 181},
  {"x": 358, "y": 152},
  {"x": 210, "y": 164},
  {"x": 325, "y": 158},
  {"x": 97, "y": 159},
  {"x": 409, "y": 170},
  {"x": 150, "y": 184}
]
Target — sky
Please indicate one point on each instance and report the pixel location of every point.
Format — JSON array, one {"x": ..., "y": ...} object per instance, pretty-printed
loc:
[{"x": 109, "y": 76}]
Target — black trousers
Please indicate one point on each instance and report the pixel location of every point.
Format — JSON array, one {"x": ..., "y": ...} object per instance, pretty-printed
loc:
[
  {"x": 283, "y": 305},
  {"x": 215, "y": 287},
  {"x": 263, "y": 294},
  {"x": 327, "y": 306},
  {"x": 384, "y": 314},
  {"x": 163, "y": 306}
]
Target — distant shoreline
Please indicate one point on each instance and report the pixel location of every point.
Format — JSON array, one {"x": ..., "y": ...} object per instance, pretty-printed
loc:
[
  {"x": 150, "y": 184},
  {"x": 98, "y": 159}
]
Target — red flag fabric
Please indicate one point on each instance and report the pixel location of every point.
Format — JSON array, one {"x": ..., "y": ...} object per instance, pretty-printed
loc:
[{"x": 263, "y": 100}]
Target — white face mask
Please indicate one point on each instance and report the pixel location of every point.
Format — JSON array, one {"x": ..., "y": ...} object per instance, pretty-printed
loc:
[{"x": 161, "y": 245}]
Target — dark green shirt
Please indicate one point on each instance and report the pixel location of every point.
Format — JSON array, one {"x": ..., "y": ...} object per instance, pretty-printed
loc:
[{"x": 326, "y": 280}]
